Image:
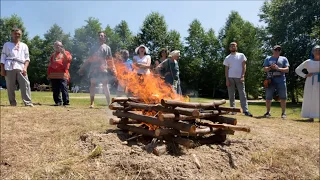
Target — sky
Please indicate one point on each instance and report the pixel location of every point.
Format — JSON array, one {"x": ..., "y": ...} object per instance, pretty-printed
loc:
[{"x": 39, "y": 16}]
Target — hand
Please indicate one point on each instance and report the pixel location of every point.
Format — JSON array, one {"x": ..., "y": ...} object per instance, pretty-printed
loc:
[
  {"x": 308, "y": 75},
  {"x": 227, "y": 83},
  {"x": 274, "y": 66},
  {"x": 3, "y": 73},
  {"x": 61, "y": 50},
  {"x": 242, "y": 79},
  {"x": 24, "y": 72}
]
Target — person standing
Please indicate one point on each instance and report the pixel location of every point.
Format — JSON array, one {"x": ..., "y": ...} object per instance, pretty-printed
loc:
[
  {"x": 14, "y": 65},
  {"x": 311, "y": 98},
  {"x": 235, "y": 70},
  {"x": 58, "y": 73},
  {"x": 163, "y": 54},
  {"x": 142, "y": 60},
  {"x": 128, "y": 64},
  {"x": 99, "y": 68},
  {"x": 169, "y": 69},
  {"x": 276, "y": 66}
]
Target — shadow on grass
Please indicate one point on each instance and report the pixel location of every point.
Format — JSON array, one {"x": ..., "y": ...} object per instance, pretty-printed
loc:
[
  {"x": 306, "y": 121},
  {"x": 276, "y": 104}
]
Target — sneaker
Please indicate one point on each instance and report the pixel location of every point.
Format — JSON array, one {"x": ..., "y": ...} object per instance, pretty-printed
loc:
[
  {"x": 267, "y": 115},
  {"x": 30, "y": 105},
  {"x": 58, "y": 104},
  {"x": 91, "y": 106},
  {"x": 248, "y": 114},
  {"x": 283, "y": 116}
]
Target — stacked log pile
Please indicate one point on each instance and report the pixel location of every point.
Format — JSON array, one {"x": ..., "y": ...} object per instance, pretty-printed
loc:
[{"x": 184, "y": 123}]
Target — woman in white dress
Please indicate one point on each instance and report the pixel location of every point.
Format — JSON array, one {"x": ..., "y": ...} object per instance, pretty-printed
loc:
[
  {"x": 142, "y": 60},
  {"x": 310, "y": 105}
]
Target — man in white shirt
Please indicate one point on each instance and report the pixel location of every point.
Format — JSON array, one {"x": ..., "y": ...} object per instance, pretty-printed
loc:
[
  {"x": 235, "y": 69},
  {"x": 14, "y": 64}
]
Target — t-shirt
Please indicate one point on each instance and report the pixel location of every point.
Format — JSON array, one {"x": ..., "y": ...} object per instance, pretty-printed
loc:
[
  {"x": 234, "y": 62},
  {"x": 142, "y": 60},
  {"x": 282, "y": 63},
  {"x": 98, "y": 57},
  {"x": 128, "y": 64}
]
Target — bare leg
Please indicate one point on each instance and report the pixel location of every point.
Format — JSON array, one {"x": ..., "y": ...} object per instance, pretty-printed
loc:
[
  {"x": 106, "y": 91},
  {"x": 92, "y": 91},
  {"x": 268, "y": 105},
  {"x": 283, "y": 105}
]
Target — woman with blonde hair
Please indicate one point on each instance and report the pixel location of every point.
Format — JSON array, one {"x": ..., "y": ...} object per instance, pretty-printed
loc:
[{"x": 311, "y": 98}]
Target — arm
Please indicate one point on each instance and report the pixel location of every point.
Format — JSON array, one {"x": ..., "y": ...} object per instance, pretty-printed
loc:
[
  {"x": 175, "y": 71},
  {"x": 244, "y": 67},
  {"x": 3, "y": 60},
  {"x": 27, "y": 61},
  {"x": 266, "y": 67},
  {"x": 299, "y": 69},
  {"x": 145, "y": 65},
  {"x": 286, "y": 67}
]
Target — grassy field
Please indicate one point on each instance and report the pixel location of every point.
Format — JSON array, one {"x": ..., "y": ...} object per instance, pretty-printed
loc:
[{"x": 43, "y": 142}]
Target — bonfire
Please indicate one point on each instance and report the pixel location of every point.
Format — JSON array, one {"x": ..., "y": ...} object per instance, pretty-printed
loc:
[{"x": 157, "y": 112}]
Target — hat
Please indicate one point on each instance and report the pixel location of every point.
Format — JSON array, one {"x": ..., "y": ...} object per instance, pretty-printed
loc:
[
  {"x": 315, "y": 47},
  {"x": 174, "y": 53},
  {"x": 137, "y": 49},
  {"x": 276, "y": 47}
]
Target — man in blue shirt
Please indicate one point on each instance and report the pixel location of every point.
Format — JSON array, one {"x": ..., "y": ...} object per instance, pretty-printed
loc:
[{"x": 276, "y": 66}]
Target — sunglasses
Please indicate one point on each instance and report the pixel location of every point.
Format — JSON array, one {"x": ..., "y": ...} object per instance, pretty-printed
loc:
[{"x": 277, "y": 49}]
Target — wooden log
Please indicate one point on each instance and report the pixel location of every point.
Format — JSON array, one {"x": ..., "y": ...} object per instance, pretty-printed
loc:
[
  {"x": 154, "y": 121},
  {"x": 115, "y": 107},
  {"x": 124, "y": 99},
  {"x": 207, "y": 130},
  {"x": 165, "y": 132},
  {"x": 159, "y": 107},
  {"x": 183, "y": 141},
  {"x": 229, "y": 109},
  {"x": 226, "y": 126},
  {"x": 113, "y": 121},
  {"x": 176, "y": 117},
  {"x": 137, "y": 130},
  {"x": 160, "y": 150},
  {"x": 223, "y": 119},
  {"x": 174, "y": 103}
]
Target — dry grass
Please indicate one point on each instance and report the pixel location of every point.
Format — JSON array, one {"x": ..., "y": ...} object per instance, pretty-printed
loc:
[{"x": 44, "y": 143}]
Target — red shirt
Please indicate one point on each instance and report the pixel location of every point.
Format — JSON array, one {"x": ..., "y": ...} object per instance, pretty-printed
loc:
[{"x": 59, "y": 66}]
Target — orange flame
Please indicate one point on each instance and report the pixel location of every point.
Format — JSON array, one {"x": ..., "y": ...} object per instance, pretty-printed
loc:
[{"x": 150, "y": 88}]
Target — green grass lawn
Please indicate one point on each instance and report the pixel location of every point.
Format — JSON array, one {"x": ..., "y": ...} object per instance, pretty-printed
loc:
[{"x": 257, "y": 108}]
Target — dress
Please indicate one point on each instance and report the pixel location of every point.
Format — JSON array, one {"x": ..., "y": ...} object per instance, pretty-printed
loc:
[{"x": 310, "y": 105}]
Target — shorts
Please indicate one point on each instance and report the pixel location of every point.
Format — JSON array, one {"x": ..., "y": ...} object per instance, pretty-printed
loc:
[
  {"x": 281, "y": 89},
  {"x": 100, "y": 77}
]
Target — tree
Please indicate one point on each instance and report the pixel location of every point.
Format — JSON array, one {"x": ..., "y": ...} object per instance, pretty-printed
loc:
[
  {"x": 124, "y": 35},
  {"x": 294, "y": 25},
  {"x": 37, "y": 70},
  {"x": 7, "y": 24},
  {"x": 192, "y": 60},
  {"x": 153, "y": 33}
]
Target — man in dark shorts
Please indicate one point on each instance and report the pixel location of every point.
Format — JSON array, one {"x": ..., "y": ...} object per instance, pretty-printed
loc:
[{"x": 99, "y": 65}]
